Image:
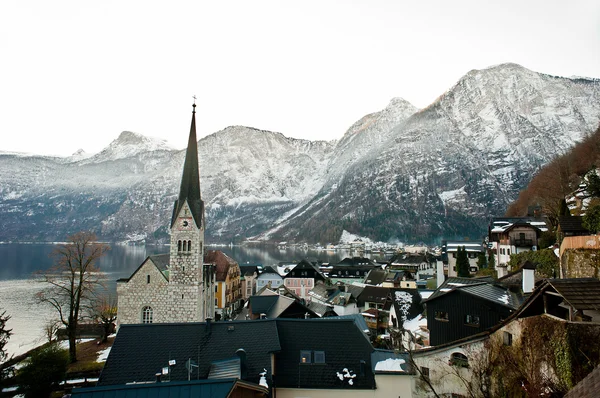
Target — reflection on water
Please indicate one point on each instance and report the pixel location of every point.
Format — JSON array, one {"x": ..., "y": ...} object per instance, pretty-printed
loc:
[{"x": 19, "y": 261}]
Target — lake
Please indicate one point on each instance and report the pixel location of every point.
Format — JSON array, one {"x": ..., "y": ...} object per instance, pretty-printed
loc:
[{"x": 18, "y": 286}]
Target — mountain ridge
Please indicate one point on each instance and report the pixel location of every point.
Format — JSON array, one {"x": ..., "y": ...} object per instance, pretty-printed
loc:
[{"x": 399, "y": 173}]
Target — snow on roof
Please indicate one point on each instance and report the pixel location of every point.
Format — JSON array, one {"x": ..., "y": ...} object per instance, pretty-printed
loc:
[
  {"x": 504, "y": 299},
  {"x": 456, "y": 284},
  {"x": 391, "y": 364},
  {"x": 425, "y": 295},
  {"x": 367, "y": 314}
]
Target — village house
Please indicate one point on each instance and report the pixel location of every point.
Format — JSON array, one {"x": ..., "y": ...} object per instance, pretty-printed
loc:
[
  {"x": 302, "y": 279},
  {"x": 461, "y": 307},
  {"x": 269, "y": 277},
  {"x": 558, "y": 313},
  {"x": 332, "y": 299},
  {"x": 449, "y": 253},
  {"x": 351, "y": 270},
  {"x": 248, "y": 275},
  {"x": 228, "y": 290},
  {"x": 508, "y": 236},
  {"x": 177, "y": 286}
]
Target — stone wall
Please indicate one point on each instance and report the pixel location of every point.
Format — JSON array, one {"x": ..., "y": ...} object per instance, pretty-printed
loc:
[
  {"x": 138, "y": 293},
  {"x": 580, "y": 263}
]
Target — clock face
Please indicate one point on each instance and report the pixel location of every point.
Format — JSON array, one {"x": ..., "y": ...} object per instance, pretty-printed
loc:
[{"x": 186, "y": 223}]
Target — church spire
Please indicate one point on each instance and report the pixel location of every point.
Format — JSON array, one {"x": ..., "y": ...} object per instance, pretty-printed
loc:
[{"x": 190, "y": 180}]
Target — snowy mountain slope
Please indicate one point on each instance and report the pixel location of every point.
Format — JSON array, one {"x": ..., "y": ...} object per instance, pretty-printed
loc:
[
  {"x": 448, "y": 168},
  {"x": 397, "y": 173}
]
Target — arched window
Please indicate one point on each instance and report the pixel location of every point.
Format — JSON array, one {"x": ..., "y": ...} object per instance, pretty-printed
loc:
[
  {"x": 189, "y": 245},
  {"x": 178, "y": 245},
  {"x": 147, "y": 315},
  {"x": 458, "y": 359},
  {"x": 185, "y": 245}
]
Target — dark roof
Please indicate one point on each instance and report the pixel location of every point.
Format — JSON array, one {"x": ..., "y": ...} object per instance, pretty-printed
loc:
[
  {"x": 376, "y": 277},
  {"x": 496, "y": 294},
  {"x": 195, "y": 388},
  {"x": 407, "y": 303},
  {"x": 139, "y": 351},
  {"x": 270, "y": 270},
  {"x": 358, "y": 319},
  {"x": 310, "y": 268},
  {"x": 276, "y": 306},
  {"x": 344, "y": 347},
  {"x": 355, "y": 261},
  {"x": 479, "y": 287},
  {"x": 190, "y": 180},
  {"x": 588, "y": 387},
  {"x": 452, "y": 282},
  {"x": 572, "y": 224},
  {"x": 580, "y": 293},
  {"x": 247, "y": 270},
  {"x": 319, "y": 308},
  {"x": 160, "y": 261},
  {"x": 373, "y": 294}
]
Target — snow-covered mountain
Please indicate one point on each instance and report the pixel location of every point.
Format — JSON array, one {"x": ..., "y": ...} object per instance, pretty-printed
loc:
[{"x": 398, "y": 173}]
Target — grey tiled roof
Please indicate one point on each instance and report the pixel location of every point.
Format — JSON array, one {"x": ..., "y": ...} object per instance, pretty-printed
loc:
[
  {"x": 581, "y": 293},
  {"x": 161, "y": 261},
  {"x": 589, "y": 387},
  {"x": 139, "y": 351},
  {"x": 496, "y": 294}
]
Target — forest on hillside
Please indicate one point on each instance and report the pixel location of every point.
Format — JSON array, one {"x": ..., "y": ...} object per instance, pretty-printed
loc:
[{"x": 559, "y": 179}]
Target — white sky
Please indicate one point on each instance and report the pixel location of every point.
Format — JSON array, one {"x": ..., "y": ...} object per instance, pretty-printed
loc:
[{"x": 74, "y": 74}]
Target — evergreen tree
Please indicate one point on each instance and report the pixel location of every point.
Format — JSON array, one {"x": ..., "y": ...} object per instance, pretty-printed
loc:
[
  {"x": 462, "y": 262},
  {"x": 491, "y": 259},
  {"x": 43, "y": 371},
  {"x": 481, "y": 261},
  {"x": 563, "y": 209},
  {"x": 591, "y": 220}
]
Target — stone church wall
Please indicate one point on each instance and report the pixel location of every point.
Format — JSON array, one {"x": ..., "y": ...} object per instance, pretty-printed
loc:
[{"x": 137, "y": 293}]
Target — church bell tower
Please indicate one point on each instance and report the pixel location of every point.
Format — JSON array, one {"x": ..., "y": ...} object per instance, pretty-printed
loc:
[{"x": 187, "y": 284}]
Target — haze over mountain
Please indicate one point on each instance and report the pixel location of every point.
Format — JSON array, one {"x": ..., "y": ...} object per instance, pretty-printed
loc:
[{"x": 400, "y": 173}]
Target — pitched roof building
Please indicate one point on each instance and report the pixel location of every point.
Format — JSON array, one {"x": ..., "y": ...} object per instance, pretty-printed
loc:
[{"x": 177, "y": 286}]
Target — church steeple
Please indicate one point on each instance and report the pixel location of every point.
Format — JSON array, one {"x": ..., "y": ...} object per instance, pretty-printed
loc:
[{"x": 190, "y": 181}]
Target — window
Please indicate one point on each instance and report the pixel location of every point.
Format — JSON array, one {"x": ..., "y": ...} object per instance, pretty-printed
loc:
[
  {"x": 458, "y": 359},
  {"x": 147, "y": 278},
  {"x": 184, "y": 245},
  {"x": 189, "y": 245},
  {"x": 507, "y": 339},
  {"x": 441, "y": 316},
  {"x": 147, "y": 315},
  {"x": 305, "y": 356},
  {"x": 508, "y": 251},
  {"x": 319, "y": 356},
  {"x": 472, "y": 320},
  {"x": 178, "y": 245}
]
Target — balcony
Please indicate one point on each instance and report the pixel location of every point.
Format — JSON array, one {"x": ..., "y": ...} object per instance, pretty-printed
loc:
[{"x": 519, "y": 242}]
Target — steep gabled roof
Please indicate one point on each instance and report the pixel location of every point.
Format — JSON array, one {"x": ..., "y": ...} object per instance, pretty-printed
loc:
[
  {"x": 160, "y": 261},
  {"x": 588, "y": 387},
  {"x": 580, "y": 293},
  {"x": 453, "y": 282},
  {"x": 190, "y": 180}
]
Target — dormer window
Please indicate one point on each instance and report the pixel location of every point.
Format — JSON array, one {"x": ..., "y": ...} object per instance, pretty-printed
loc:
[{"x": 305, "y": 356}]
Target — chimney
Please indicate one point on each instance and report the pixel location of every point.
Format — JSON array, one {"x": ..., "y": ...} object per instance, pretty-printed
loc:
[
  {"x": 528, "y": 270},
  {"x": 243, "y": 363},
  {"x": 208, "y": 324}
]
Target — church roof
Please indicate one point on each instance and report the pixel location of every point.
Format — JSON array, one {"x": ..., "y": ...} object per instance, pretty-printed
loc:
[{"x": 190, "y": 180}]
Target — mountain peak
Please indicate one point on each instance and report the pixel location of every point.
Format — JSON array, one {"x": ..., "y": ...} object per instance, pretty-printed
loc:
[{"x": 130, "y": 143}]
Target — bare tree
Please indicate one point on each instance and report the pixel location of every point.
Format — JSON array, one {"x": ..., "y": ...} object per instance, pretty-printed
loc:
[
  {"x": 104, "y": 311},
  {"x": 72, "y": 281},
  {"x": 51, "y": 328}
]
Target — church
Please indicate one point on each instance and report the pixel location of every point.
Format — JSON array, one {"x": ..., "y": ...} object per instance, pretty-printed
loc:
[{"x": 177, "y": 286}]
